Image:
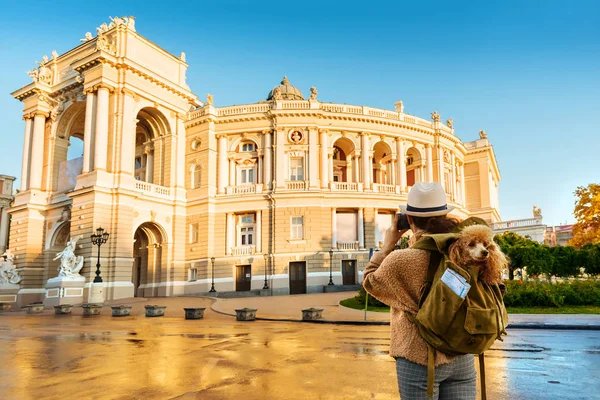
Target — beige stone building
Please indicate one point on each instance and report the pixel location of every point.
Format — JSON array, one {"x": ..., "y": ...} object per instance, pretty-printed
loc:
[
  {"x": 266, "y": 189},
  {"x": 6, "y": 198}
]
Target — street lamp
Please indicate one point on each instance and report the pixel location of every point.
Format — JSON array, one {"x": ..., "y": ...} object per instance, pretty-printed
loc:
[
  {"x": 212, "y": 286},
  {"x": 266, "y": 261},
  {"x": 330, "y": 265},
  {"x": 98, "y": 239}
]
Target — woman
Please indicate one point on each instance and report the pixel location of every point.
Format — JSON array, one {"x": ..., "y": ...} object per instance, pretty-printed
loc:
[{"x": 395, "y": 278}]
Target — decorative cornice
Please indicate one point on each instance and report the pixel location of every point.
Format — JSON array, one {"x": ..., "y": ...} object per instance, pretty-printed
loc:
[{"x": 131, "y": 93}]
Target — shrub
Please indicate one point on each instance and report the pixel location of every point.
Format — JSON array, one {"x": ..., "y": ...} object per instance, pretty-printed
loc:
[
  {"x": 372, "y": 300},
  {"x": 543, "y": 294}
]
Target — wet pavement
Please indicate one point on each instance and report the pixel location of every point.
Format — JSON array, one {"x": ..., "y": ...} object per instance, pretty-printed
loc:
[{"x": 101, "y": 357}]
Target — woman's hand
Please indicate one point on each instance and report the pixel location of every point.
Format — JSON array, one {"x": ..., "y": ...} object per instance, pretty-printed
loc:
[{"x": 392, "y": 235}]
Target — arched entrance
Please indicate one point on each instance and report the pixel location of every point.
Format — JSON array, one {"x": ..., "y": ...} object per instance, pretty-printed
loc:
[
  {"x": 148, "y": 258},
  {"x": 150, "y": 147}
]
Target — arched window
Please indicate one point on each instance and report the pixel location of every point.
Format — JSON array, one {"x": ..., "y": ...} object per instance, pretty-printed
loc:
[
  {"x": 247, "y": 146},
  {"x": 196, "y": 176}
]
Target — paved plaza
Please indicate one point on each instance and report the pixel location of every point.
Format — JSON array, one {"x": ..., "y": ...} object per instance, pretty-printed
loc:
[{"x": 102, "y": 357}]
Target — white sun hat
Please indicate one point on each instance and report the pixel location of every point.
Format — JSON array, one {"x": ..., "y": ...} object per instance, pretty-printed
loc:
[{"x": 426, "y": 200}]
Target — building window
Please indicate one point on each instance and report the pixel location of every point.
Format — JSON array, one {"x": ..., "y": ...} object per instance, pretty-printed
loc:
[
  {"x": 296, "y": 169},
  {"x": 247, "y": 176},
  {"x": 248, "y": 147},
  {"x": 196, "y": 177},
  {"x": 246, "y": 230},
  {"x": 297, "y": 231},
  {"x": 193, "y": 274},
  {"x": 409, "y": 161},
  {"x": 194, "y": 228}
]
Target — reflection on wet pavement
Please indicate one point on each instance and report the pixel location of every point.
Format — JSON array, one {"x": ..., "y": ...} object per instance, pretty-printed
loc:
[{"x": 218, "y": 358}]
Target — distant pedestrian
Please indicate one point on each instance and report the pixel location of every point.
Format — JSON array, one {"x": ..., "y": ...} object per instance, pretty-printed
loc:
[{"x": 396, "y": 279}]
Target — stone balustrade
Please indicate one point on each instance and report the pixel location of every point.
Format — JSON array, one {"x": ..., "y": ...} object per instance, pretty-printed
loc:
[{"x": 243, "y": 250}]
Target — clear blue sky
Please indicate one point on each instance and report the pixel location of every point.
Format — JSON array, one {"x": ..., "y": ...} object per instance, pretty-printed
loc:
[{"x": 528, "y": 72}]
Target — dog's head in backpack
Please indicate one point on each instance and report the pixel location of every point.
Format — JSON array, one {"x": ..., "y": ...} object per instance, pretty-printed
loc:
[{"x": 475, "y": 246}]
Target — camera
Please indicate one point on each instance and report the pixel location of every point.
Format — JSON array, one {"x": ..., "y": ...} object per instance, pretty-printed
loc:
[{"x": 402, "y": 222}]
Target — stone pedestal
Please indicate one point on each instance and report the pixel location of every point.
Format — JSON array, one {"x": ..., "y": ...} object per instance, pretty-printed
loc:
[
  {"x": 312, "y": 314},
  {"x": 194, "y": 313},
  {"x": 245, "y": 314},
  {"x": 121, "y": 311},
  {"x": 8, "y": 293},
  {"x": 96, "y": 293},
  {"x": 91, "y": 309},
  {"x": 61, "y": 290},
  {"x": 63, "y": 309},
  {"x": 34, "y": 308},
  {"x": 155, "y": 311}
]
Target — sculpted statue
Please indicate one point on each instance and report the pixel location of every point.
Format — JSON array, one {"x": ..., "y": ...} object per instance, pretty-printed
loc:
[
  {"x": 450, "y": 123},
  {"x": 435, "y": 116},
  {"x": 313, "y": 93},
  {"x": 8, "y": 272},
  {"x": 209, "y": 100},
  {"x": 399, "y": 106},
  {"x": 277, "y": 94},
  {"x": 70, "y": 265},
  {"x": 182, "y": 56},
  {"x": 102, "y": 28},
  {"x": 482, "y": 134},
  {"x": 34, "y": 74},
  {"x": 537, "y": 212},
  {"x": 87, "y": 38}
]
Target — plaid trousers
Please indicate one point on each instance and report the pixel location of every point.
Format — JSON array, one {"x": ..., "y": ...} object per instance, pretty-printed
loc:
[{"x": 453, "y": 381}]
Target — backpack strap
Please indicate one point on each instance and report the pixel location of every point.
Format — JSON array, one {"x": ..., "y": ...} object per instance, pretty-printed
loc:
[
  {"x": 482, "y": 376},
  {"x": 434, "y": 262},
  {"x": 431, "y": 370}
]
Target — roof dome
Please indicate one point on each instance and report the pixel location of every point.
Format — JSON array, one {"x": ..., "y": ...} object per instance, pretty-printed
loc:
[{"x": 288, "y": 92}]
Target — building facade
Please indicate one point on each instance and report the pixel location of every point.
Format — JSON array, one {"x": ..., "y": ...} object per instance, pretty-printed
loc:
[
  {"x": 249, "y": 196},
  {"x": 6, "y": 199}
]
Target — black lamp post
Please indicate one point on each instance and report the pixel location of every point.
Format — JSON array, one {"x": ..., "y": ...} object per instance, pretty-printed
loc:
[
  {"x": 266, "y": 261},
  {"x": 98, "y": 239},
  {"x": 330, "y": 265},
  {"x": 212, "y": 286}
]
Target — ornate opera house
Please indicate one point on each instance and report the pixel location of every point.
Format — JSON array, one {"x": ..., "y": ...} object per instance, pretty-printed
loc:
[{"x": 266, "y": 194}]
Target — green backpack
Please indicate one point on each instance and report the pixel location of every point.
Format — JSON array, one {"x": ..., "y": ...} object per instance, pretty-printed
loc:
[{"x": 451, "y": 322}]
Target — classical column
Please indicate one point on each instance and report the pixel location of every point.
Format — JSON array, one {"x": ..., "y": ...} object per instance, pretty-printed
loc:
[
  {"x": 330, "y": 166},
  {"x": 356, "y": 168},
  {"x": 441, "y": 168},
  {"x": 463, "y": 182},
  {"x": 229, "y": 234},
  {"x": 429, "y": 163},
  {"x": 37, "y": 150},
  {"x": 26, "y": 153},
  {"x": 453, "y": 178},
  {"x": 258, "y": 231},
  {"x": 313, "y": 158},
  {"x": 149, "y": 164},
  {"x": 349, "y": 168},
  {"x": 267, "y": 164},
  {"x": 361, "y": 229},
  {"x": 259, "y": 169},
  {"x": 222, "y": 161},
  {"x": 3, "y": 230},
  {"x": 232, "y": 174},
  {"x": 401, "y": 160},
  {"x": 333, "y": 228},
  {"x": 90, "y": 102},
  {"x": 281, "y": 166},
  {"x": 390, "y": 167},
  {"x": 324, "y": 159},
  {"x": 367, "y": 167},
  {"x": 158, "y": 158},
  {"x": 179, "y": 164},
  {"x": 101, "y": 132}
]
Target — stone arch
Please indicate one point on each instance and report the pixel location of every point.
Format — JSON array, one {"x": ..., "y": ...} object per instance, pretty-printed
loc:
[
  {"x": 414, "y": 166},
  {"x": 239, "y": 140},
  {"x": 343, "y": 163},
  {"x": 150, "y": 146},
  {"x": 67, "y": 148},
  {"x": 150, "y": 254},
  {"x": 59, "y": 235},
  {"x": 382, "y": 163}
]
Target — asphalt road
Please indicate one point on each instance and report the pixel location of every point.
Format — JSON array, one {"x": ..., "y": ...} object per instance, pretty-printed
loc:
[{"x": 58, "y": 357}]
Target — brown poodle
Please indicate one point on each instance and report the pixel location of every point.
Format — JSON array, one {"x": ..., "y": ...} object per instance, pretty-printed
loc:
[{"x": 475, "y": 246}]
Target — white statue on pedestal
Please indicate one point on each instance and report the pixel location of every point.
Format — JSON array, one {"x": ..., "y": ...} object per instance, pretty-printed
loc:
[
  {"x": 8, "y": 272},
  {"x": 70, "y": 265}
]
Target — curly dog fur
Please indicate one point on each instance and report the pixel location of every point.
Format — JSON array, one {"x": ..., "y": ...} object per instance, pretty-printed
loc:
[{"x": 475, "y": 246}]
